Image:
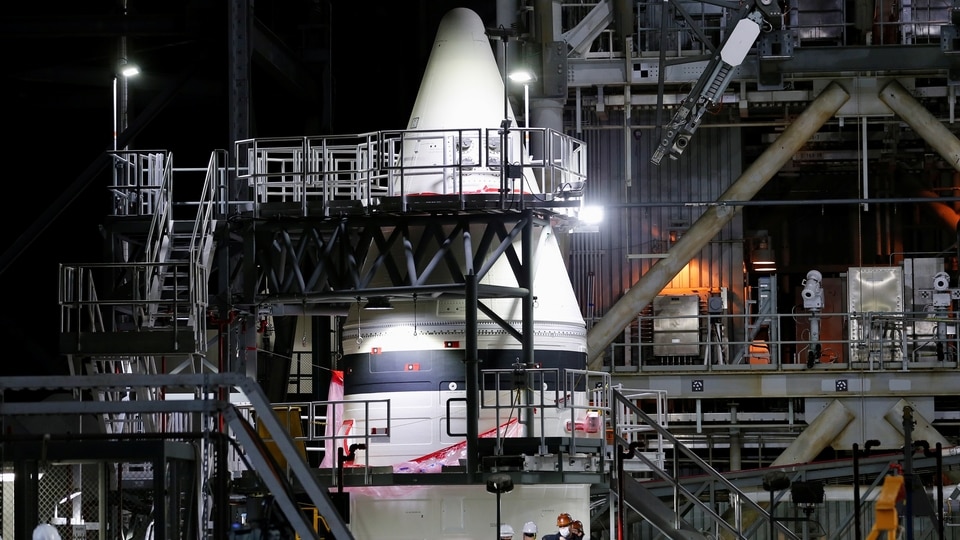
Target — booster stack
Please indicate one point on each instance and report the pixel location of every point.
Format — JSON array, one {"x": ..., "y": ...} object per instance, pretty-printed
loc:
[{"x": 413, "y": 354}]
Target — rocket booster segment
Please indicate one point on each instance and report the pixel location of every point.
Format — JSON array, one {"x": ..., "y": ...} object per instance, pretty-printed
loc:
[{"x": 414, "y": 355}]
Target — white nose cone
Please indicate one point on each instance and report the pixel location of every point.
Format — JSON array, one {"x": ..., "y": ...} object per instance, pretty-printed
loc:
[
  {"x": 462, "y": 86},
  {"x": 453, "y": 143}
]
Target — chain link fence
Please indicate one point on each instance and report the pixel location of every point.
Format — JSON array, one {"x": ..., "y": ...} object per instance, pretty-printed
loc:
[{"x": 102, "y": 500}]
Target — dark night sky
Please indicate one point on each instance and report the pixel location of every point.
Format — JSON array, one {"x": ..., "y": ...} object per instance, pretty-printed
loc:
[{"x": 56, "y": 109}]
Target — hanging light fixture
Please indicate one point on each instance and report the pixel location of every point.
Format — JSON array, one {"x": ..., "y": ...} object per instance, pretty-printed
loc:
[
  {"x": 359, "y": 334},
  {"x": 378, "y": 303},
  {"x": 762, "y": 256}
]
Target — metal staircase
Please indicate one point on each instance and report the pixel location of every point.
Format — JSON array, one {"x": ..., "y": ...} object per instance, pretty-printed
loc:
[
  {"x": 697, "y": 501},
  {"x": 643, "y": 437},
  {"x": 134, "y": 329},
  {"x": 123, "y": 422},
  {"x": 144, "y": 312}
]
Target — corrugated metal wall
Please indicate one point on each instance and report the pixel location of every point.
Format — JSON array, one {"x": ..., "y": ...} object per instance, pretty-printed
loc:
[{"x": 644, "y": 218}]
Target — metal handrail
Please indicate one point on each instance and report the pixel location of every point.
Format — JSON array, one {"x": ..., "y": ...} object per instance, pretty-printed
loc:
[
  {"x": 877, "y": 341},
  {"x": 364, "y": 168},
  {"x": 626, "y": 404}
]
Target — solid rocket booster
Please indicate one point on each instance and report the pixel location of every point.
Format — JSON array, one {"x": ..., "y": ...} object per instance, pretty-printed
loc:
[
  {"x": 413, "y": 355},
  {"x": 458, "y": 114}
]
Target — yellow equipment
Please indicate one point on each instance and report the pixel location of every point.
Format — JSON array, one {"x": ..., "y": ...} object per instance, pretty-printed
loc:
[{"x": 887, "y": 521}]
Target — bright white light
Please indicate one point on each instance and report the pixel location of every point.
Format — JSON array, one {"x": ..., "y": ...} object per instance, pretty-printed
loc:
[
  {"x": 521, "y": 76},
  {"x": 130, "y": 70},
  {"x": 591, "y": 215}
]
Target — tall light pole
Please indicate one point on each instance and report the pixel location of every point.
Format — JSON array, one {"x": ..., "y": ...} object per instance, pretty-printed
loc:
[
  {"x": 525, "y": 77},
  {"x": 504, "y": 34},
  {"x": 124, "y": 72},
  {"x": 499, "y": 483},
  {"x": 120, "y": 76}
]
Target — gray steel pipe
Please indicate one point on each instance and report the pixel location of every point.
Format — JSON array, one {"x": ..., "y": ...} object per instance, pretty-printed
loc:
[
  {"x": 932, "y": 130},
  {"x": 818, "y": 435},
  {"x": 922, "y": 121},
  {"x": 709, "y": 224}
]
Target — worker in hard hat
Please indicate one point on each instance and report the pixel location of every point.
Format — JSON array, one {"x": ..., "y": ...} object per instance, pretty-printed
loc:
[
  {"x": 506, "y": 532},
  {"x": 529, "y": 530},
  {"x": 563, "y": 528},
  {"x": 576, "y": 530}
]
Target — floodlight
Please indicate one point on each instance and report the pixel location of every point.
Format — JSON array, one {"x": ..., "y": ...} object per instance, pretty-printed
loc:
[{"x": 378, "y": 303}]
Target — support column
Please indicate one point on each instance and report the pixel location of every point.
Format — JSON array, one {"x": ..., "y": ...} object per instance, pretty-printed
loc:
[
  {"x": 824, "y": 428},
  {"x": 922, "y": 121},
  {"x": 26, "y": 497},
  {"x": 247, "y": 364},
  {"x": 471, "y": 362},
  {"x": 526, "y": 310},
  {"x": 736, "y": 442}
]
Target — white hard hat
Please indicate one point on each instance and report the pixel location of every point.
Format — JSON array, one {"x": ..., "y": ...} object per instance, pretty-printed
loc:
[
  {"x": 506, "y": 531},
  {"x": 529, "y": 528}
]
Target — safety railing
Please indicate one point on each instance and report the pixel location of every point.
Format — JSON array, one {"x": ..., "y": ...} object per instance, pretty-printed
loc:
[
  {"x": 202, "y": 237},
  {"x": 552, "y": 402},
  {"x": 313, "y": 170},
  {"x": 841, "y": 340},
  {"x": 79, "y": 302},
  {"x": 139, "y": 181},
  {"x": 589, "y": 418},
  {"x": 130, "y": 301},
  {"x": 327, "y": 175},
  {"x": 521, "y": 392},
  {"x": 627, "y": 412},
  {"x": 320, "y": 431},
  {"x": 166, "y": 289},
  {"x": 639, "y": 434}
]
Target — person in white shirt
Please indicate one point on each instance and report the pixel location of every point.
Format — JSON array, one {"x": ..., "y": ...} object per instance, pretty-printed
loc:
[{"x": 45, "y": 531}]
